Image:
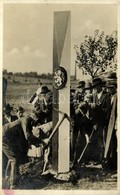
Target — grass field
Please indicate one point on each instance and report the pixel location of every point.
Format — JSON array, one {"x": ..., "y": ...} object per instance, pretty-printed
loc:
[{"x": 18, "y": 94}]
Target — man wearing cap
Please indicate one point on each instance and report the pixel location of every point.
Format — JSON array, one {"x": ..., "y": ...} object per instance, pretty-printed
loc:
[{"x": 101, "y": 109}]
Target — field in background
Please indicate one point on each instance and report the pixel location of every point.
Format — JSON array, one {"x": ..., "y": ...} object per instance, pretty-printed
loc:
[
  {"x": 19, "y": 95},
  {"x": 20, "y": 89}
]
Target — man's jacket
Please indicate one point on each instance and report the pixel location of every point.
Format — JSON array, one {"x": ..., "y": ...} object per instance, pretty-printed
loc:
[
  {"x": 102, "y": 108},
  {"x": 19, "y": 133}
]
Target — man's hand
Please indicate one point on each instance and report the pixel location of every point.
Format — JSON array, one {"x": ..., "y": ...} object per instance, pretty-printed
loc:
[
  {"x": 95, "y": 127},
  {"x": 46, "y": 141},
  {"x": 92, "y": 105},
  {"x": 36, "y": 132},
  {"x": 77, "y": 111},
  {"x": 46, "y": 127}
]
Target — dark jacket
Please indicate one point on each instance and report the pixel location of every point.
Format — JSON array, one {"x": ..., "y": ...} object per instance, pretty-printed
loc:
[
  {"x": 45, "y": 109},
  {"x": 19, "y": 133},
  {"x": 5, "y": 120},
  {"x": 102, "y": 108}
]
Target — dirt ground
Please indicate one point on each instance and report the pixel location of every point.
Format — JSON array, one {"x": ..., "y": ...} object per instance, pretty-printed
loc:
[{"x": 84, "y": 178}]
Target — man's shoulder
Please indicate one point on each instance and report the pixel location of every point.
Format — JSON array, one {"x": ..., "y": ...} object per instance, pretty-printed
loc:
[
  {"x": 105, "y": 97},
  {"x": 26, "y": 118},
  {"x": 12, "y": 124},
  {"x": 105, "y": 93}
]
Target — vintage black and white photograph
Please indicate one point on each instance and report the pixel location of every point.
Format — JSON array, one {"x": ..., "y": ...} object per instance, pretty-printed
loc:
[{"x": 59, "y": 96}]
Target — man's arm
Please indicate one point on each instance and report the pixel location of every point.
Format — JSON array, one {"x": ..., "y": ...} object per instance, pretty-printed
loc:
[
  {"x": 46, "y": 127},
  {"x": 27, "y": 129}
]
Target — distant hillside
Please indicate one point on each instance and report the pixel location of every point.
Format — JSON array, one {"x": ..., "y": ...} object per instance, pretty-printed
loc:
[{"x": 26, "y": 80}]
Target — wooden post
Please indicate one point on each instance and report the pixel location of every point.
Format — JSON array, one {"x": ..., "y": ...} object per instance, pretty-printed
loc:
[{"x": 61, "y": 97}]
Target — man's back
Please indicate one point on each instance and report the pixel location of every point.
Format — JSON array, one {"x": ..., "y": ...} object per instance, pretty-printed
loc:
[{"x": 22, "y": 125}]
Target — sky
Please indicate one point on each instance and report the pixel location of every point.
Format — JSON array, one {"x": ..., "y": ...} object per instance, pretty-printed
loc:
[{"x": 28, "y": 32}]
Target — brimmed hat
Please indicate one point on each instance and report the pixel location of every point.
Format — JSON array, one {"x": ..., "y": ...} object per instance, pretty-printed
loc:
[
  {"x": 112, "y": 80},
  {"x": 111, "y": 84},
  {"x": 112, "y": 75},
  {"x": 88, "y": 85},
  {"x": 44, "y": 90},
  {"x": 104, "y": 83},
  {"x": 81, "y": 84},
  {"x": 97, "y": 82}
]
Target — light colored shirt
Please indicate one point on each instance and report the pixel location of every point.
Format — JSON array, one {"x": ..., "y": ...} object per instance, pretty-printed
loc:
[
  {"x": 99, "y": 95},
  {"x": 112, "y": 99}
]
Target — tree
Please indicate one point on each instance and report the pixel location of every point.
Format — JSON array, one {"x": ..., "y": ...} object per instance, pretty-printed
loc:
[
  {"x": 10, "y": 73},
  {"x": 4, "y": 71},
  {"x": 97, "y": 53}
]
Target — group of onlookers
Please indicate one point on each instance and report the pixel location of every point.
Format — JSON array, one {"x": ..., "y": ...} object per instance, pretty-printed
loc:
[{"x": 94, "y": 109}]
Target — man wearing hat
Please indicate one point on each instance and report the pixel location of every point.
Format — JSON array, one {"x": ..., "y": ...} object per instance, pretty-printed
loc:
[
  {"x": 88, "y": 92},
  {"x": 83, "y": 122},
  {"x": 110, "y": 155},
  {"x": 101, "y": 109},
  {"x": 44, "y": 104},
  {"x": 80, "y": 91}
]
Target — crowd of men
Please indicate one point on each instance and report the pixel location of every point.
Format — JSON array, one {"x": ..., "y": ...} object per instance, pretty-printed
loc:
[{"x": 93, "y": 108}]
